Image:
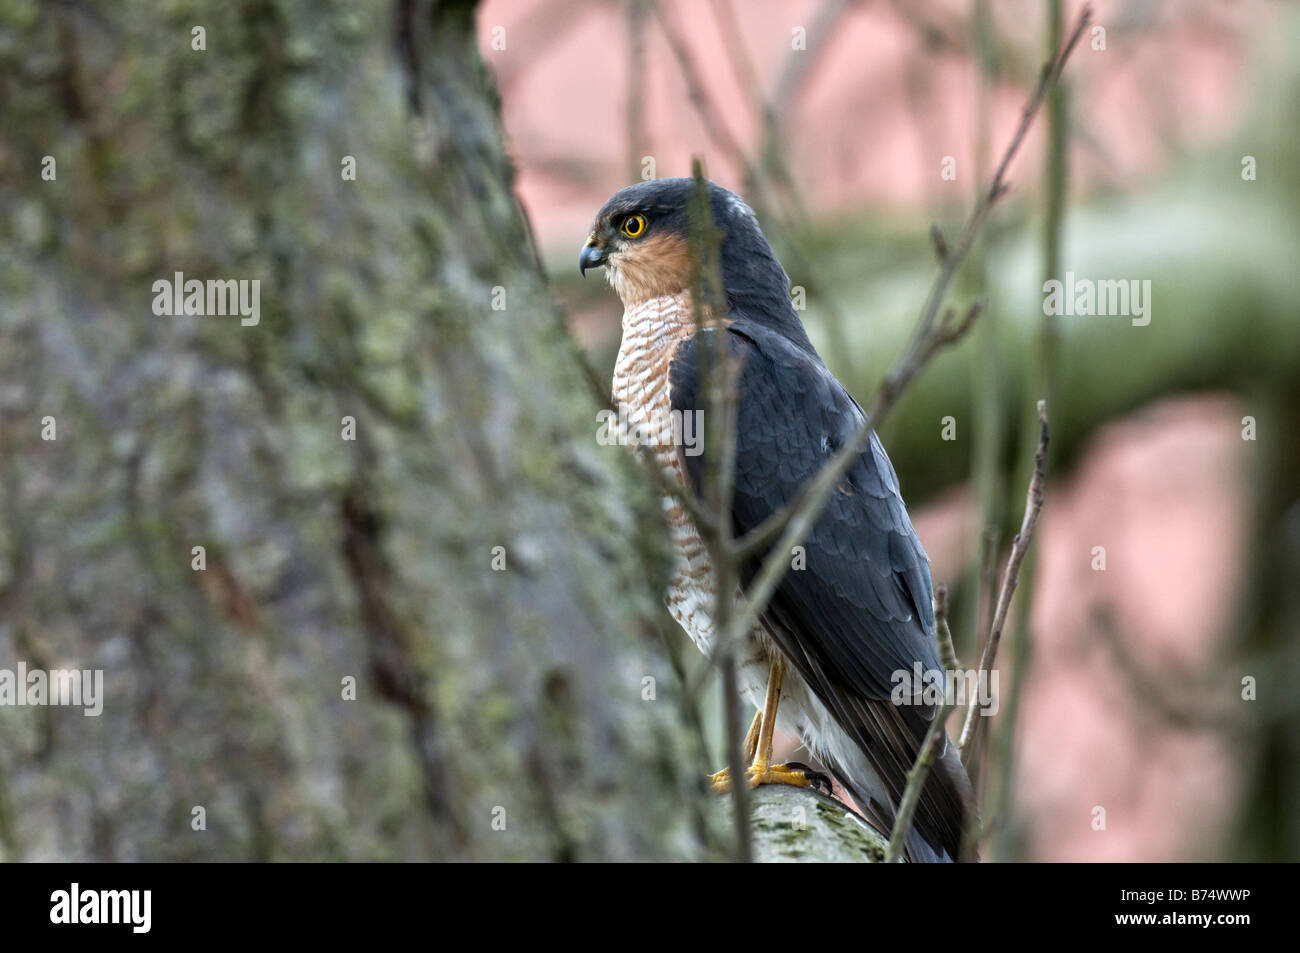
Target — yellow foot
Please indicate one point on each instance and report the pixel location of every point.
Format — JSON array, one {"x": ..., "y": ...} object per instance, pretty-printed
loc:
[{"x": 794, "y": 774}]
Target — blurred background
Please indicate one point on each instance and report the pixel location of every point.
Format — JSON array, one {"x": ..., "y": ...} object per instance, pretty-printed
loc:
[
  {"x": 359, "y": 580},
  {"x": 1167, "y": 563}
]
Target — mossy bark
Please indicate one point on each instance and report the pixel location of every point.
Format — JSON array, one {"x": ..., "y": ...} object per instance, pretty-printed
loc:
[
  {"x": 500, "y": 713},
  {"x": 800, "y": 825}
]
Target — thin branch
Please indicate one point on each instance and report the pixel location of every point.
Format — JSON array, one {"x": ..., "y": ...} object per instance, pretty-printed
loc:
[
  {"x": 988, "y": 593},
  {"x": 715, "y": 122},
  {"x": 1162, "y": 695},
  {"x": 1043, "y": 385},
  {"x": 985, "y": 600},
  {"x": 741, "y": 63},
  {"x": 920, "y": 344},
  {"x": 800, "y": 63},
  {"x": 634, "y": 128},
  {"x": 768, "y": 176},
  {"x": 705, "y": 519},
  {"x": 538, "y": 31},
  {"x": 934, "y": 35},
  {"x": 793, "y": 522},
  {"x": 935, "y": 736},
  {"x": 718, "y": 374},
  {"x": 1011, "y": 575}
]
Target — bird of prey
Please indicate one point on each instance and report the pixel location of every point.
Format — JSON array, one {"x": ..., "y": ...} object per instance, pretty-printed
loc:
[{"x": 821, "y": 661}]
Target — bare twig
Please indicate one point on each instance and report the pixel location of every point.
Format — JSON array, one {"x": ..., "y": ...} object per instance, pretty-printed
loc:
[
  {"x": 718, "y": 373},
  {"x": 1042, "y": 385},
  {"x": 768, "y": 176},
  {"x": 940, "y": 244},
  {"x": 798, "y": 68},
  {"x": 715, "y": 123},
  {"x": 988, "y": 583},
  {"x": 942, "y": 37},
  {"x": 785, "y": 529},
  {"x": 919, "y": 349},
  {"x": 1011, "y": 575},
  {"x": 791, "y": 524},
  {"x": 540, "y": 30},
  {"x": 741, "y": 63},
  {"x": 1162, "y": 695},
  {"x": 635, "y": 114},
  {"x": 986, "y": 599},
  {"x": 705, "y": 519},
  {"x": 935, "y": 736}
]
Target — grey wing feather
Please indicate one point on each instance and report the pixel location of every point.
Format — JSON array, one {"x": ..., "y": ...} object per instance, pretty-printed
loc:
[{"x": 861, "y": 609}]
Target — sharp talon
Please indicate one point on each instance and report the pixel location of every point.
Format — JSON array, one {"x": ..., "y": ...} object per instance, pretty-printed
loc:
[
  {"x": 794, "y": 774},
  {"x": 815, "y": 778},
  {"x": 720, "y": 781}
]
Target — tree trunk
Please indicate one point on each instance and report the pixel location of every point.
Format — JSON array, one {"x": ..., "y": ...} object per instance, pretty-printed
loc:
[{"x": 393, "y": 474}]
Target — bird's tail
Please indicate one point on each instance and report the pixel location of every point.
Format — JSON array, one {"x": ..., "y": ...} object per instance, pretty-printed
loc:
[{"x": 946, "y": 810}]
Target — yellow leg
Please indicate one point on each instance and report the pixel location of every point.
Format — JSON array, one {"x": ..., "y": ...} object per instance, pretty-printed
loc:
[
  {"x": 721, "y": 780},
  {"x": 762, "y": 756},
  {"x": 758, "y": 744},
  {"x": 751, "y": 736}
]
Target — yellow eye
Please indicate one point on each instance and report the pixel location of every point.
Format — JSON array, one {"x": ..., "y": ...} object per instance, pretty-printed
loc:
[{"x": 633, "y": 226}]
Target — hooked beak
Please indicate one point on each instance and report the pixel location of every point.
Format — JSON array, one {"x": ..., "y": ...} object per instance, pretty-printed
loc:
[{"x": 591, "y": 257}]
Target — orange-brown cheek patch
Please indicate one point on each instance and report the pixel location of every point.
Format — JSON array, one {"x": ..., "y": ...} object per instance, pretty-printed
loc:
[{"x": 653, "y": 267}]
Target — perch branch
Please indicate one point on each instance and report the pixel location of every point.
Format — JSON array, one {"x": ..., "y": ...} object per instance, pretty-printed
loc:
[
  {"x": 934, "y": 736},
  {"x": 791, "y": 523},
  {"x": 1011, "y": 575}
]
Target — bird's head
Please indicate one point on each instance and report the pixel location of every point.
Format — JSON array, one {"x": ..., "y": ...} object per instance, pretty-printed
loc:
[{"x": 641, "y": 238}]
